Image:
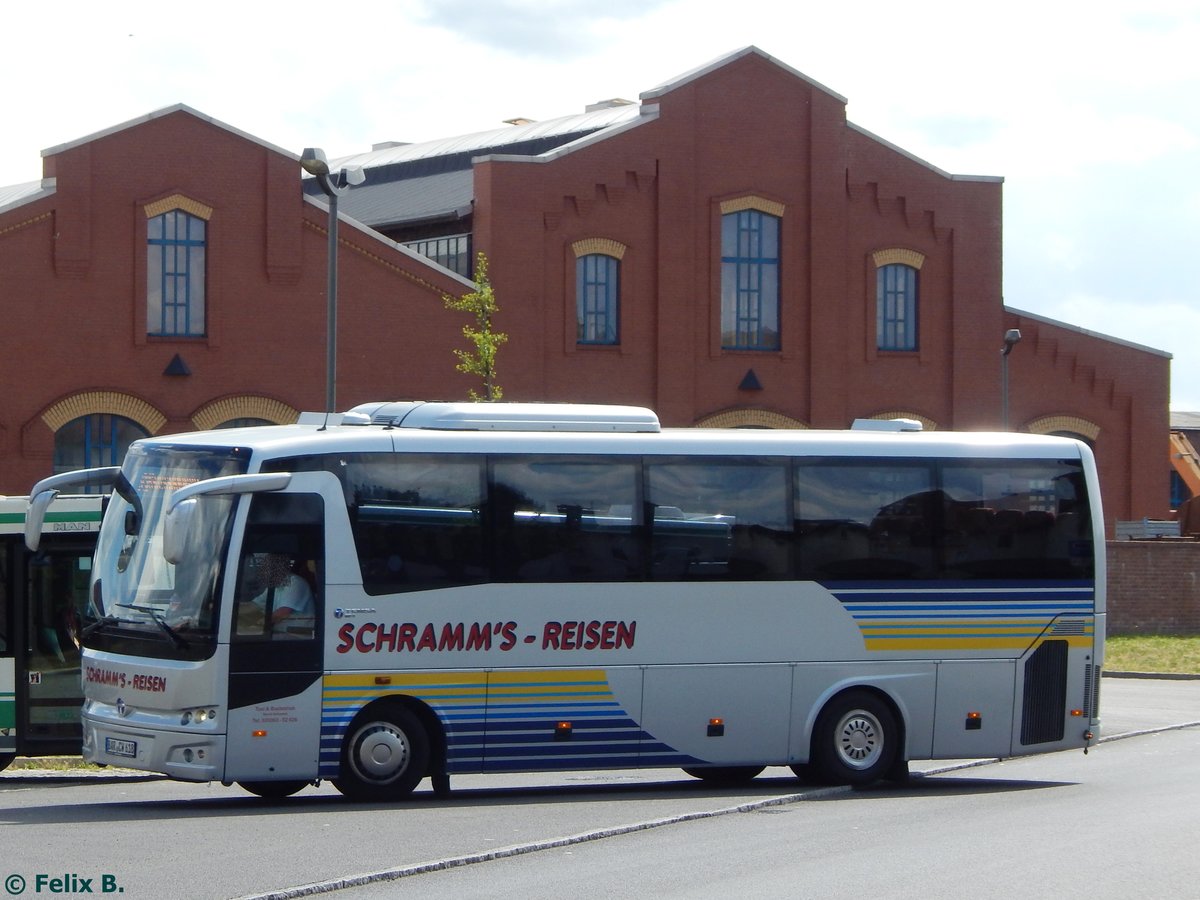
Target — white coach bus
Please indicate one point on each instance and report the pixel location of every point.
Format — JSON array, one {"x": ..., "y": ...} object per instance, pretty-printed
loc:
[{"x": 422, "y": 589}]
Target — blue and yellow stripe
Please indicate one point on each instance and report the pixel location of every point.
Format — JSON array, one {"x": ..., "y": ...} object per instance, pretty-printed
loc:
[
  {"x": 952, "y": 618},
  {"x": 505, "y": 720}
]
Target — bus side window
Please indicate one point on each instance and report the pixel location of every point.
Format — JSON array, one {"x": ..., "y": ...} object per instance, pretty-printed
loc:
[
  {"x": 864, "y": 521},
  {"x": 740, "y": 530},
  {"x": 1015, "y": 520},
  {"x": 558, "y": 520},
  {"x": 417, "y": 520},
  {"x": 279, "y": 585}
]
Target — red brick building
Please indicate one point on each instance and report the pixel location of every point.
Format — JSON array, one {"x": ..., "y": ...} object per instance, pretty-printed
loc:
[{"x": 730, "y": 251}]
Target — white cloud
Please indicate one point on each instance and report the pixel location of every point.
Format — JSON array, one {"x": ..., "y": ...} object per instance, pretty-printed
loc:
[{"x": 543, "y": 29}]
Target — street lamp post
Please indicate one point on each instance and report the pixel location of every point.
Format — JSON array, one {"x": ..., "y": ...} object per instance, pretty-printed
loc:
[
  {"x": 314, "y": 162},
  {"x": 1011, "y": 338}
]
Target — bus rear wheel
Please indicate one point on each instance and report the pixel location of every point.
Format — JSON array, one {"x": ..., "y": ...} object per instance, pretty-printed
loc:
[
  {"x": 385, "y": 754},
  {"x": 856, "y": 740},
  {"x": 6, "y": 760},
  {"x": 725, "y": 774},
  {"x": 272, "y": 790}
]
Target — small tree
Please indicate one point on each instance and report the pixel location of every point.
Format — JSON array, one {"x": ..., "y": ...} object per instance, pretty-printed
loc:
[{"x": 481, "y": 361}]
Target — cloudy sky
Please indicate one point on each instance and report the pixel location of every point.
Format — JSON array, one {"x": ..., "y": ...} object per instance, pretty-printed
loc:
[{"x": 1089, "y": 110}]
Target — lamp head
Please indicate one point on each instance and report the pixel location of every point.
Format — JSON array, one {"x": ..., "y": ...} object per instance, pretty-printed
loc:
[
  {"x": 1011, "y": 338},
  {"x": 314, "y": 162}
]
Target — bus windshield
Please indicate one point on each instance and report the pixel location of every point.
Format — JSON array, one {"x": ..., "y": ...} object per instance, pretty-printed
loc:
[{"x": 140, "y": 603}]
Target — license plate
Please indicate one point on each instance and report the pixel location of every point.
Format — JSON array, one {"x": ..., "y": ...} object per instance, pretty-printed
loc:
[{"x": 120, "y": 748}]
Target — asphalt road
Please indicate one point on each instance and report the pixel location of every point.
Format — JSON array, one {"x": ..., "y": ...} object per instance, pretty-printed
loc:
[
  {"x": 1030, "y": 828},
  {"x": 1122, "y": 825},
  {"x": 549, "y": 835}
]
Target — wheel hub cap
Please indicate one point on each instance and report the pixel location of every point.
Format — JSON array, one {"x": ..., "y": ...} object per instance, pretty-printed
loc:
[
  {"x": 859, "y": 741},
  {"x": 382, "y": 754}
]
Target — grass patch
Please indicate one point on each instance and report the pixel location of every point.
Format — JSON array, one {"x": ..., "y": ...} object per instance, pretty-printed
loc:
[
  {"x": 1160, "y": 654},
  {"x": 51, "y": 763}
]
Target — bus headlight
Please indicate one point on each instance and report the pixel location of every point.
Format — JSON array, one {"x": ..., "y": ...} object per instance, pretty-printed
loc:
[{"x": 197, "y": 716}]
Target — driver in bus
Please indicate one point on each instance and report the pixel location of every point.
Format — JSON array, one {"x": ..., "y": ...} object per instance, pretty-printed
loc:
[{"x": 286, "y": 598}]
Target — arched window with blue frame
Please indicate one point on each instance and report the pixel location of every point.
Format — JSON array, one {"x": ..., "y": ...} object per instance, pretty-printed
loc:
[
  {"x": 176, "y": 244},
  {"x": 95, "y": 440},
  {"x": 749, "y": 280},
  {"x": 896, "y": 307},
  {"x": 597, "y": 298}
]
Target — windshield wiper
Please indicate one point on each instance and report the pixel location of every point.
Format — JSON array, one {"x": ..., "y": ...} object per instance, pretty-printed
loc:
[
  {"x": 99, "y": 623},
  {"x": 179, "y": 642}
]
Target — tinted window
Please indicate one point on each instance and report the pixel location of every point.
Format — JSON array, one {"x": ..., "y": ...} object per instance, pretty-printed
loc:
[
  {"x": 424, "y": 522},
  {"x": 716, "y": 519},
  {"x": 862, "y": 521},
  {"x": 565, "y": 520},
  {"x": 417, "y": 520},
  {"x": 1016, "y": 520}
]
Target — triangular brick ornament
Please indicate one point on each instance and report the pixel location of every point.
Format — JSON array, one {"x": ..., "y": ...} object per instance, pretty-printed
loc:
[
  {"x": 177, "y": 367},
  {"x": 750, "y": 382}
]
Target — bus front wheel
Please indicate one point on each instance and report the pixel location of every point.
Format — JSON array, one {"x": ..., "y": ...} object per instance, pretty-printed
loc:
[
  {"x": 385, "y": 754},
  {"x": 6, "y": 760},
  {"x": 855, "y": 740}
]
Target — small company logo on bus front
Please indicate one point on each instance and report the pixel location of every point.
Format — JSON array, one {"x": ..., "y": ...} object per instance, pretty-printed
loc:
[
  {"x": 350, "y": 612},
  {"x": 408, "y": 637}
]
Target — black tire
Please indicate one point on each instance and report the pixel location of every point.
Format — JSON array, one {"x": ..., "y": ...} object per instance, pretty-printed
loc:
[
  {"x": 6, "y": 760},
  {"x": 856, "y": 740},
  {"x": 898, "y": 774},
  {"x": 385, "y": 754},
  {"x": 807, "y": 772},
  {"x": 272, "y": 790},
  {"x": 725, "y": 774}
]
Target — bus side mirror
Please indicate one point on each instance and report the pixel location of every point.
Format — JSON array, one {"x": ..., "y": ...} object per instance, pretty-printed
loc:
[
  {"x": 47, "y": 489},
  {"x": 35, "y": 516},
  {"x": 177, "y": 529}
]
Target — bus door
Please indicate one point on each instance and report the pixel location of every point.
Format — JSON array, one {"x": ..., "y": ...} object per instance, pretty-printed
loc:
[
  {"x": 276, "y": 634},
  {"x": 52, "y": 591},
  {"x": 8, "y": 682}
]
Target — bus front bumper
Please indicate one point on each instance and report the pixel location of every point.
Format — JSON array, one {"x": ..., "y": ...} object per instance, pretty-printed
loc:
[{"x": 177, "y": 754}]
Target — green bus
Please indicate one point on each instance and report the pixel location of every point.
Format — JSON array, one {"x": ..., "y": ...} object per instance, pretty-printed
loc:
[{"x": 42, "y": 597}]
